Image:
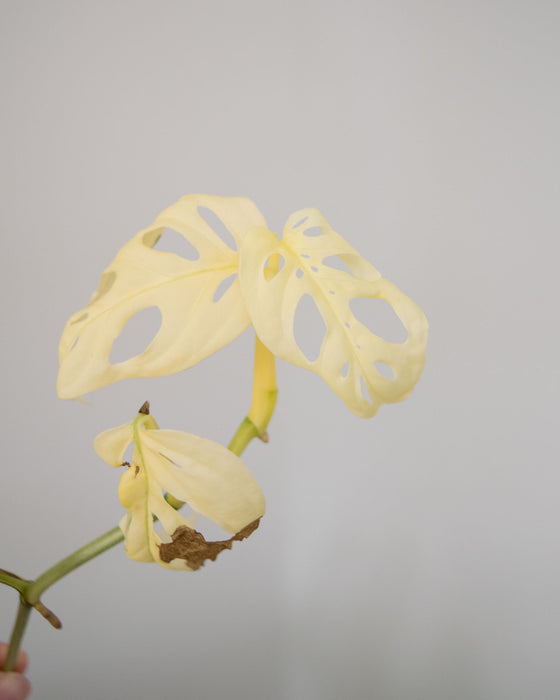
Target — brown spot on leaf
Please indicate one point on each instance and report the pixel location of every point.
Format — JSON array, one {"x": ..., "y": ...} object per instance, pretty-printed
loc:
[
  {"x": 125, "y": 464},
  {"x": 136, "y": 470},
  {"x": 145, "y": 408},
  {"x": 190, "y": 545}
]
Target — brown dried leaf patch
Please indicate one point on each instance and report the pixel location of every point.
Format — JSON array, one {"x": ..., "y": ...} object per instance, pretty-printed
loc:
[{"x": 190, "y": 545}]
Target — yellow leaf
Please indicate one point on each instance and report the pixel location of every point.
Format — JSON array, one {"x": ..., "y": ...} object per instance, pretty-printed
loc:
[
  {"x": 208, "y": 477},
  {"x": 195, "y": 320},
  {"x": 349, "y": 351}
]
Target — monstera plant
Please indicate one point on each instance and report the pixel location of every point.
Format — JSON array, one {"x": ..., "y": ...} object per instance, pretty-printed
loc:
[{"x": 207, "y": 297}]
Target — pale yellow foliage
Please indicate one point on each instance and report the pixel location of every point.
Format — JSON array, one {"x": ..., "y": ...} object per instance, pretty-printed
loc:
[
  {"x": 208, "y": 477},
  {"x": 272, "y": 301},
  {"x": 273, "y": 277},
  {"x": 193, "y": 325}
]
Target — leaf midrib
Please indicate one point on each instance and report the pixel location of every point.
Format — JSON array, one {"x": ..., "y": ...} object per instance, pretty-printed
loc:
[{"x": 95, "y": 318}]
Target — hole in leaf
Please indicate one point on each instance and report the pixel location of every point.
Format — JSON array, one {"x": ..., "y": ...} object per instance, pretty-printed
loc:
[
  {"x": 301, "y": 221},
  {"x": 210, "y": 530},
  {"x": 378, "y": 316},
  {"x": 224, "y": 285},
  {"x": 304, "y": 255},
  {"x": 347, "y": 325},
  {"x": 337, "y": 263},
  {"x": 272, "y": 260},
  {"x": 351, "y": 264},
  {"x": 218, "y": 226},
  {"x": 299, "y": 273},
  {"x": 309, "y": 327},
  {"x": 127, "y": 457},
  {"x": 315, "y": 269},
  {"x": 331, "y": 291},
  {"x": 106, "y": 281},
  {"x": 138, "y": 333},
  {"x": 159, "y": 531},
  {"x": 385, "y": 370},
  {"x": 345, "y": 369},
  {"x": 313, "y": 232},
  {"x": 171, "y": 241},
  {"x": 269, "y": 270},
  {"x": 365, "y": 392}
]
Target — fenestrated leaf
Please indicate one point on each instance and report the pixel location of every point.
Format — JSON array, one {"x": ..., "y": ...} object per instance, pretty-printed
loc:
[
  {"x": 200, "y": 313},
  {"x": 349, "y": 351},
  {"x": 208, "y": 477}
]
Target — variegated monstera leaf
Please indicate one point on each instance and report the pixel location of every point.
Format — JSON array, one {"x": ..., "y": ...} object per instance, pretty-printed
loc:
[
  {"x": 350, "y": 353},
  {"x": 273, "y": 276},
  {"x": 172, "y": 466},
  {"x": 195, "y": 320}
]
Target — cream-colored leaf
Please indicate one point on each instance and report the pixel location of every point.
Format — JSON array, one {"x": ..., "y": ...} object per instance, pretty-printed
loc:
[
  {"x": 213, "y": 481},
  {"x": 111, "y": 444},
  {"x": 198, "y": 314},
  {"x": 349, "y": 350},
  {"x": 208, "y": 477}
]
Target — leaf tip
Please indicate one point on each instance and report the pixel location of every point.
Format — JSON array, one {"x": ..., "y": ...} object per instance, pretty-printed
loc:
[{"x": 145, "y": 408}]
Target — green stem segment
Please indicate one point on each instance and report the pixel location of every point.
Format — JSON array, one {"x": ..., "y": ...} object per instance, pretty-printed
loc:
[
  {"x": 243, "y": 436},
  {"x": 31, "y": 591},
  {"x": 13, "y": 580},
  {"x": 17, "y": 634},
  {"x": 254, "y": 425},
  {"x": 73, "y": 561}
]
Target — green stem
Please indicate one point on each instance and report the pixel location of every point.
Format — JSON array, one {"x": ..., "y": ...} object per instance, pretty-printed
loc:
[
  {"x": 17, "y": 633},
  {"x": 13, "y": 580},
  {"x": 89, "y": 551},
  {"x": 254, "y": 425},
  {"x": 31, "y": 591},
  {"x": 243, "y": 436}
]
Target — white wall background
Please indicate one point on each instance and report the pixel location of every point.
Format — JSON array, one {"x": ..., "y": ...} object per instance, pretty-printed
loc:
[{"x": 410, "y": 557}]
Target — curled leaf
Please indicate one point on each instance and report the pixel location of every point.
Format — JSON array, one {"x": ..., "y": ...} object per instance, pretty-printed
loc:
[
  {"x": 349, "y": 351},
  {"x": 208, "y": 477},
  {"x": 198, "y": 297}
]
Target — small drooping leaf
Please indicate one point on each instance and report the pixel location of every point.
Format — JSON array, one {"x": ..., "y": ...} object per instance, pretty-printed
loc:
[
  {"x": 208, "y": 477},
  {"x": 200, "y": 312},
  {"x": 349, "y": 351}
]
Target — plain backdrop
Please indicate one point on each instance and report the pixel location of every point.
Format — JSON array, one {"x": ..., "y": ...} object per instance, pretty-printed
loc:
[{"x": 413, "y": 556}]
